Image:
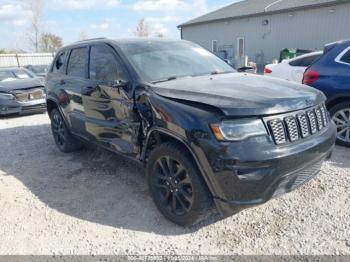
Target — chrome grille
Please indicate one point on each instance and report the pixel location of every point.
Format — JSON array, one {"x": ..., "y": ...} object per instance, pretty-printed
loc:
[
  {"x": 312, "y": 120},
  {"x": 324, "y": 115},
  {"x": 277, "y": 129},
  {"x": 293, "y": 127},
  {"x": 319, "y": 118},
  {"x": 304, "y": 125}
]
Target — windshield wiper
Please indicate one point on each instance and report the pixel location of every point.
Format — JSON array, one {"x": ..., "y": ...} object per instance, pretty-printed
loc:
[{"x": 164, "y": 80}]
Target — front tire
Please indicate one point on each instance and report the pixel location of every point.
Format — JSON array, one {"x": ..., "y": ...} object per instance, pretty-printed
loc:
[
  {"x": 340, "y": 114},
  {"x": 63, "y": 138},
  {"x": 176, "y": 186}
]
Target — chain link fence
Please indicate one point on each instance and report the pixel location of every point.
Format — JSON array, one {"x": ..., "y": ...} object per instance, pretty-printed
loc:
[{"x": 27, "y": 59}]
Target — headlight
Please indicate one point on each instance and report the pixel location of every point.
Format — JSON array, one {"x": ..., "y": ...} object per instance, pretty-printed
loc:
[
  {"x": 7, "y": 96},
  {"x": 237, "y": 130}
]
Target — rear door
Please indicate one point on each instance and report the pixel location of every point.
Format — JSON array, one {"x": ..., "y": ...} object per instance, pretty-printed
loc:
[
  {"x": 108, "y": 109},
  {"x": 75, "y": 81}
]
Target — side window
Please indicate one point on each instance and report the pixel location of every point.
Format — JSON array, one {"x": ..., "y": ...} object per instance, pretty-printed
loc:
[
  {"x": 77, "y": 62},
  {"x": 59, "y": 62},
  {"x": 104, "y": 66},
  {"x": 305, "y": 62},
  {"x": 346, "y": 57}
]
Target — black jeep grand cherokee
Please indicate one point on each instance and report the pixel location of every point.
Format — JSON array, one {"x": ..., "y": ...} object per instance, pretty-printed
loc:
[{"x": 208, "y": 136}]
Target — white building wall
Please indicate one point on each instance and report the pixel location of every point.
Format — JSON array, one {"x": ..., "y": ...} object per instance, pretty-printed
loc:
[{"x": 307, "y": 29}]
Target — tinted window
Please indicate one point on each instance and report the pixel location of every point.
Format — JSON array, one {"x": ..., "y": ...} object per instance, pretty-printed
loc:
[
  {"x": 104, "y": 65},
  {"x": 6, "y": 76},
  {"x": 306, "y": 61},
  {"x": 58, "y": 64},
  {"x": 77, "y": 62},
  {"x": 346, "y": 57}
]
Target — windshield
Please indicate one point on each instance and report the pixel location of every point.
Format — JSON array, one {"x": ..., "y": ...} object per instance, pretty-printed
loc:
[
  {"x": 157, "y": 61},
  {"x": 10, "y": 75},
  {"x": 21, "y": 74},
  {"x": 6, "y": 76}
]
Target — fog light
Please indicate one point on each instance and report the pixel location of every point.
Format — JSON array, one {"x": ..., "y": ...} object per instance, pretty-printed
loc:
[{"x": 4, "y": 109}]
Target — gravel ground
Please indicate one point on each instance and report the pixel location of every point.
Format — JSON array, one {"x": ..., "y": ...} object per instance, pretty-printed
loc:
[{"x": 93, "y": 202}]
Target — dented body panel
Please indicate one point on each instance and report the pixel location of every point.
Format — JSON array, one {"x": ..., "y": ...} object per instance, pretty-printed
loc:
[
  {"x": 131, "y": 120},
  {"x": 239, "y": 94}
]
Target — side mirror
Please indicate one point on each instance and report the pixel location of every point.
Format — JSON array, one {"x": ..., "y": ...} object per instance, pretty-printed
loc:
[{"x": 120, "y": 84}]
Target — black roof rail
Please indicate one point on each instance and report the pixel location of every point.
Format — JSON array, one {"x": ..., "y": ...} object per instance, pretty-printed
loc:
[{"x": 91, "y": 39}]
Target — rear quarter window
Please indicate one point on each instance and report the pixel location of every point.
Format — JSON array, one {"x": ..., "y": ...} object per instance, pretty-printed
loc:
[
  {"x": 346, "y": 57},
  {"x": 58, "y": 65},
  {"x": 306, "y": 61}
]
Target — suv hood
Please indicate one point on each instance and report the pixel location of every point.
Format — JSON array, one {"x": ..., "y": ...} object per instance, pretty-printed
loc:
[
  {"x": 9, "y": 86},
  {"x": 242, "y": 94}
]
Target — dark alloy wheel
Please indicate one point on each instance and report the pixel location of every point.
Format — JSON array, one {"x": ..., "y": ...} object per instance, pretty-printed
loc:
[
  {"x": 176, "y": 185},
  {"x": 58, "y": 130},
  {"x": 341, "y": 117},
  {"x": 63, "y": 139}
]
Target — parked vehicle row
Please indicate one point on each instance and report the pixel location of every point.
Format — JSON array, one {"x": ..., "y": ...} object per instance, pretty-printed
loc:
[
  {"x": 331, "y": 75},
  {"x": 209, "y": 137},
  {"x": 292, "y": 69},
  {"x": 21, "y": 91},
  {"x": 39, "y": 70},
  {"x": 329, "y": 72}
]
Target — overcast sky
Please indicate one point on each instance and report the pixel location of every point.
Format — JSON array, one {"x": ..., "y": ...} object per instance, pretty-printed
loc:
[{"x": 108, "y": 18}]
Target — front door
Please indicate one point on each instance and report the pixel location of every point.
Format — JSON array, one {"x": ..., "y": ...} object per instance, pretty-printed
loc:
[{"x": 109, "y": 109}]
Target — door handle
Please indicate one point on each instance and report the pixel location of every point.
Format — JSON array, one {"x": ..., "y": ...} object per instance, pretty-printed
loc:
[{"x": 62, "y": 82}]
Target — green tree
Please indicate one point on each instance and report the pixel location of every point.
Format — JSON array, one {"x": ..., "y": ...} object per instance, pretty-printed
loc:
[{"x": 50, "y": 42}]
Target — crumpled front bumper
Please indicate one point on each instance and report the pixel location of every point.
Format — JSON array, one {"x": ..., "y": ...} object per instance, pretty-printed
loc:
[
  {"x": 8, "y": 107},
  {"x": 252, "y": 172}
]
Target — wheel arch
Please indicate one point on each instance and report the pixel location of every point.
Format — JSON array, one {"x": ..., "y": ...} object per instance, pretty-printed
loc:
[
  {"x": 337, "y": 100},
  {"x": 162, "y": 135},
  {"x": 50, "y": 105},
  {"x": 53, "y": 104}
]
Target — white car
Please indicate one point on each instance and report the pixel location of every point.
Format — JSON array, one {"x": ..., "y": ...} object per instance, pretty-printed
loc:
[{"x": 292, "y": 69}]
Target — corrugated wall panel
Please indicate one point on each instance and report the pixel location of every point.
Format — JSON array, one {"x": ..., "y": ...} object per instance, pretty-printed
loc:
[{"x": 304, "y": 29}]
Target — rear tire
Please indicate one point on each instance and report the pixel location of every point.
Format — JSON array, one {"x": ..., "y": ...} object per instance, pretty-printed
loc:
[
  {"x": 340, "y": 114},
  {"x": 176, "y": 186},
  {"x": 63, "y": 138}
]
